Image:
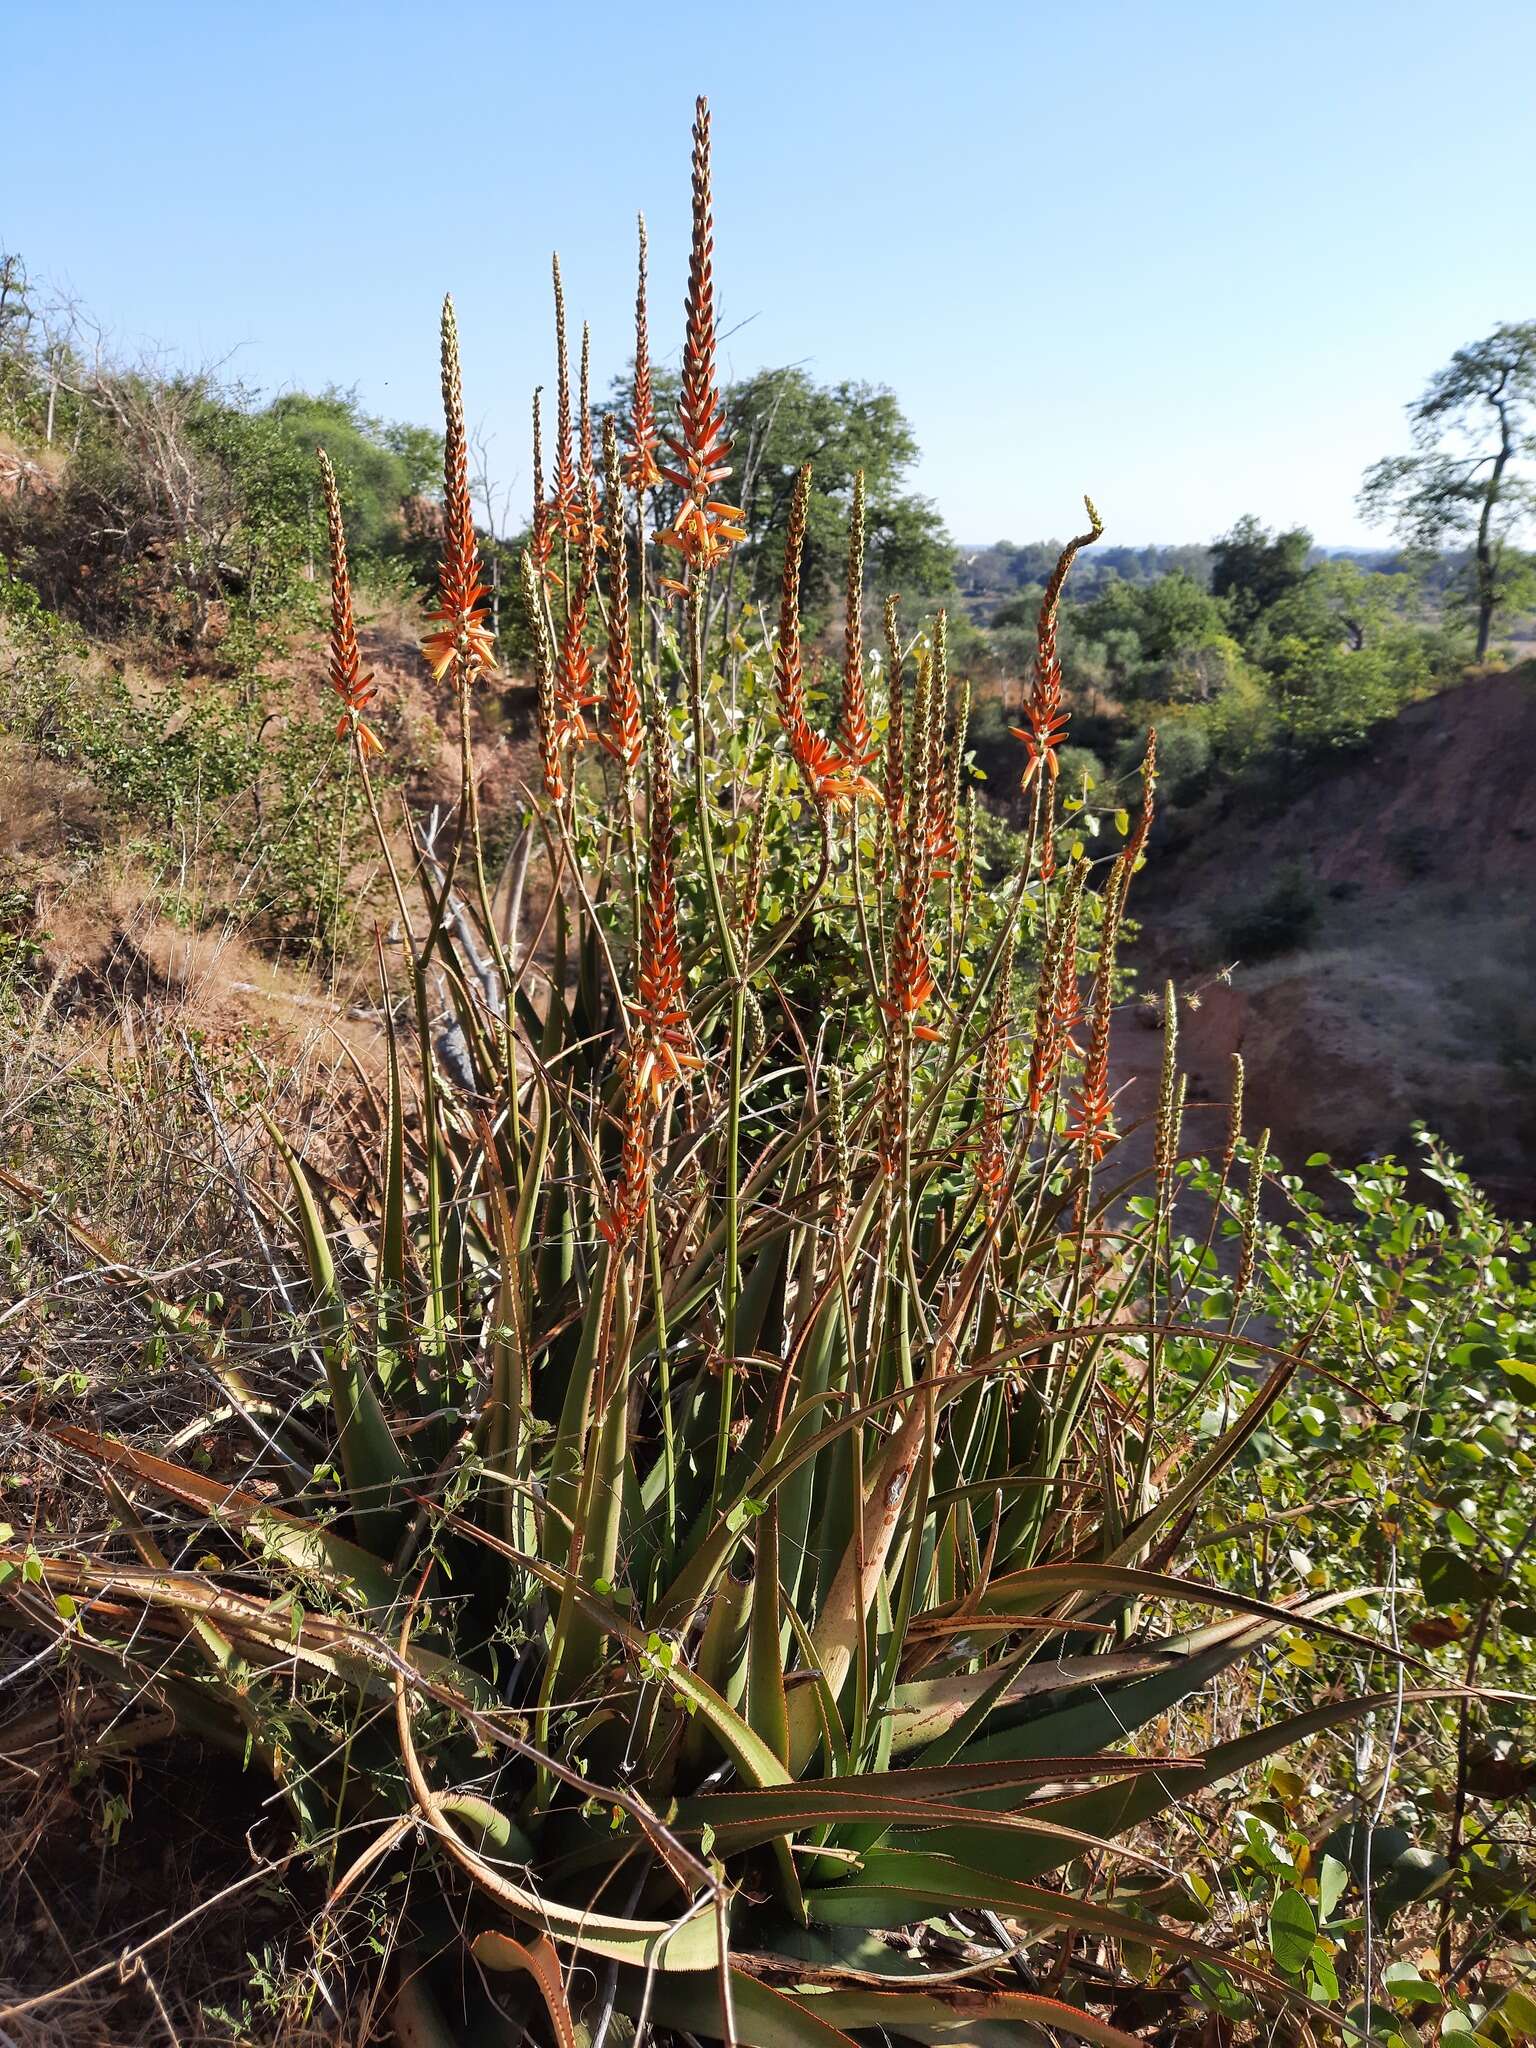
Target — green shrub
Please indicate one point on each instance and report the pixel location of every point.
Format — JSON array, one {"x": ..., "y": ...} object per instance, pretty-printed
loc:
[{"x": 1282, "y": 920}]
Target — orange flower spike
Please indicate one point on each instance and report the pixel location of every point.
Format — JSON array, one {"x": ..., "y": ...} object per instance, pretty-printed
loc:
[
  {"x": 669, "y": 1049},
  {"x": 854, "y": 739},
  {"x": 788, "y": 669},
  {"x": 705, "y": 530},
  {"x": 911, "y": 973},
  {"x": 348, "y": 680},
  {"x": 1056, "y": 999},
  {"x": 627, "y": 1198},
  {"x": 545, "y": 703},
  {"x": 622, "y": 736},
  {"x": 1092, "y": 1122},
  {"x": 991, "y": 1158},
  {"x": 1045, "y": 725},
  {"x": 830, "y": 778},
  {"x": 640, "y": 468},
  {"x": 463, "y": 637},
  {"x": 574, "y": 690}
]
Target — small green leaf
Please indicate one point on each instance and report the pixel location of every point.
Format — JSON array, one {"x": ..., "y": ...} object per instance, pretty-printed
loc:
[
  {"x": 1292, "y": 1932},
  {"x": 1332, "y": 1880}
]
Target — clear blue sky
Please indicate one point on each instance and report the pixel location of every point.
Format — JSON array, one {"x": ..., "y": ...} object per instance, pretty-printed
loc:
[{"x": 1192, "y": 257}]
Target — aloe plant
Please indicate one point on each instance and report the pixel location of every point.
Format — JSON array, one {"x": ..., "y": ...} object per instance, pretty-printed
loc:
[{"x": 747, "y": 1535}]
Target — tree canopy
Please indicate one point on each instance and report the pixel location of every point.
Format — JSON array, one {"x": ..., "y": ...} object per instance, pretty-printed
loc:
[{"x": 1467, "y": 479}]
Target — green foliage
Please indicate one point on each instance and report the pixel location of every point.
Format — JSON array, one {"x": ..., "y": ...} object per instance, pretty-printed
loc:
[
  {"x": 1166, "y": 642},
  {"x": 378, "y": 466},
  {"x": 163, "y": 500},
  {"x": 1400, "y": 1468},
  {"x": 1468, "y": 479},
  {"x": 241, "y": 776},
  {"x": 1253, "y": 568}
]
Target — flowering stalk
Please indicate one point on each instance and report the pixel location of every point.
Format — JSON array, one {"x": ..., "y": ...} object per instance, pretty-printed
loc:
[
  {"x": 895, "y": 736},
  {"x": 622, "y": 734},
  {"x": 1092, "y": 1122},
  {"x": 667, "y": 1049},
  {"x": 542, "y": 540},
  {"x": 564, "y": 499},
  {"x": 628, "y": 1196},
  {"x": 705, "y": 530},
  {"x": 1166, "y": 1148},
  {"x": 588, "y": 473},
  {"x": 641, "y": 472},
  {"x": 1247, "y": 1257},
  {"x": 830, "y": 777},
  {"x": 853, "y": 734},
  {"x": 462, "y": 640},
  {"x": 1045, "y": 720},
  {"x": 991, "y": 1157},
  {"x": 574, "y": 691},
  {"x": 546, "y": 700},
  {"x": 910, "y": 976},
  {"x": 353, "y": 687},
  {"x": 1234, "y": 1117},
  {"x": 1056, "y": 997},
  {"x": 942, "y": 844}
]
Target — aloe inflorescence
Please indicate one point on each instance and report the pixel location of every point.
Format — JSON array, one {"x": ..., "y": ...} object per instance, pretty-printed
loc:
[{"x": 741, "y": 1573}]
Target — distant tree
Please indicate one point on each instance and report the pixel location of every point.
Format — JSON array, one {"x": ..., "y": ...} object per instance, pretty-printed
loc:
[
  {"x": 1253, "y": 568},
  {"x": 378, "y": 465},
  {"x": 780, "y": 419},
  {"x": 1464, "y": 481}
]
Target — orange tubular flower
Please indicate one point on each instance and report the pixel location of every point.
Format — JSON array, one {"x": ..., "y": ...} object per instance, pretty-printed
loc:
[
  {"x": 574, "y": 692},
  {"x": 352, "y": 686},
  {"x": 641, "y": 471},
  {"x": 706, "y": 530},
  {"x": 667, "y": 1047},
  {"x": 910, "y": 981},
  {"x": 830, "y": 778},
  {"x": 1045, "y": 724},
  {"x": 1056, "y": 1001},
  {"x": 463, "y": 639},
  {"x": 627, "y": 1197},
  {"x": 622, "y": 736}
]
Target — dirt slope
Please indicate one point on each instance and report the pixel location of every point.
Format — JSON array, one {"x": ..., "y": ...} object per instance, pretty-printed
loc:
[{"x": 1415, "y": 997}]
